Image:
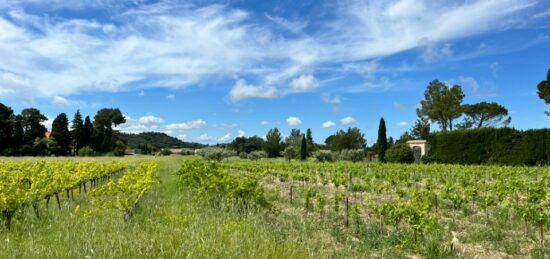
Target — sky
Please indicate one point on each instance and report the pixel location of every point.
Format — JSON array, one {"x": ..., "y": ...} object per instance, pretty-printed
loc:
[{"x": 209, "y": 71}]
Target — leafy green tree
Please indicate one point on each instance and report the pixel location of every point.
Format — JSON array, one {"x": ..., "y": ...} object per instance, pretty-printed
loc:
[
  {"x": 88, "y": 133},
  {"x": 544, "y": 90},
  {"x": 77, "y": 132},
  {"x": 120, "y": 148},
  {"x": 246, "y": 145},
  {"x": 485, "y": 114},
  {"x": 32, "y": 129},
  {"x": 61, "y": 134},
  {"x": 289, "y": 153},
  {"x": 17, "y": 140},
  {"x": 382, "y": 143},
  {"x": 303, "y": 149},
  {"x": 104, "y": 135},
  {"x": 273, "y": 144},
  {"x": 421, "y": 128},
  {"x": 294, "y": 139},
  {"x": 400, "y": 153},
  {"x": 350, "y": 139},
  {"x": 6, "y": 129},
  {"x": 45, "y": 146},
  {"x": 442, "y": 104}
]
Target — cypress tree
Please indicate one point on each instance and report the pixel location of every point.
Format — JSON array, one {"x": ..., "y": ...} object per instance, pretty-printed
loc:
[
  {"x": 88, "y": 132},
  {"x": 77, "y": 132},
  {"x": 303, "y": 150},
  {"x": 382, "y": 141},
  {"x": 61, "y": 134}
]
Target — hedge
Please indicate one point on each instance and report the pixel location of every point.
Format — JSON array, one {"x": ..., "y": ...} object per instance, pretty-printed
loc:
[{"x": 492, "y": 146}]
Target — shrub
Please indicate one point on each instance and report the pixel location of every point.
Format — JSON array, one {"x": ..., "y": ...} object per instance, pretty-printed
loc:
[
  {"x": 216, "y": 154},
  {"x": 289, "y": 153},
  {"x": 187, "y": 152},
  {"x": 400, "y": 153},
  {"x": 324, "y": 156},
  {"x": 354, "y": 155},
  {"x": 257, "y": 155},
  {"x": 165, "y": 152},
  {"x": 86, "y": 151},
  {"x": 120, "y": 148},
  {"x": 243, "y": 155}
]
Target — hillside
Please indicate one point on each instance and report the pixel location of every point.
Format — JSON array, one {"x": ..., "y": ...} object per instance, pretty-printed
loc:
[{"x": 156, "y": 139}]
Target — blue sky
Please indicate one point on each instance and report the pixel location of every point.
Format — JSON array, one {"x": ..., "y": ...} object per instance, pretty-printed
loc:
[{"x": 209, "y": 71}]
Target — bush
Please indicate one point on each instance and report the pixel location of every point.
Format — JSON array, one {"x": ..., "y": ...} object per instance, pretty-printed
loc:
[
  {"x": 243, "y": 155},
  {"x": 400, "y": 153},
  {"x": 86, "y": 151},
  {"x": 165, "y": 152},
  {"x": 354, "y": 155},
  {"x": 324, "y": 156},
  {"x": 289, "y": 153},
  {"x": 187, "y": 152},
  {"x": 216, "y": 154},
  {"x": 492, "y": 146},
  {"x": 257, "y": 155},
  {"x": 120, "y": 148}
]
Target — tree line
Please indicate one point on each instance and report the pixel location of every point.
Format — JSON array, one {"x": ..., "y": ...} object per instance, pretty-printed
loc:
[{"x": 25, "y": 135}]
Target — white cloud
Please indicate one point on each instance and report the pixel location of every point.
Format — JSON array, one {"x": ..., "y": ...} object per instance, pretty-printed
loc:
[
  {"x": 225, "y": 138},
  {"x": 58, "y": 100},
  {"x": 194, "y": 124},
  {"x": 348, "y": 120},
  {"x": 171, "y": 97},
  {"x": 402, "y": 124},
  {"x": 132, "y": 126},
  {"x": 435, "y": 52},
  {"x": 293, "y": 121},
  {"x": 398, "y": 107},
  {"x": 264, "y": 123},
  {"x": 170, "y": 44},
  {"x": 151, "y": 120},
  {"x": 241, "y": 133},
  {"x": 328, "y": 124},
  {"x": 48, "y": 123},
  {"x": 335, "y": 101},
  {"x": 304, "y": 83},
  {"x": 241, "y": 90}
]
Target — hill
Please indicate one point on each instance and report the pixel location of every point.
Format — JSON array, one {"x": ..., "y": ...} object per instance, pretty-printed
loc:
[{"x": 156, "y": 139}]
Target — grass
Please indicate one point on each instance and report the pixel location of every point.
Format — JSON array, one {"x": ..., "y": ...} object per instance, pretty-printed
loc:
[{"x": 171, "y": 223}]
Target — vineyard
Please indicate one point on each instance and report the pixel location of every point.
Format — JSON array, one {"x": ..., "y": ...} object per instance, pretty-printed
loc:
[{"x": 175, "y": 207}]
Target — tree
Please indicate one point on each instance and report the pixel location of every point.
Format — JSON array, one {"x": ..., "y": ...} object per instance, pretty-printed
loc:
[
  {"x": 310, "y": 142},
  {"x": 77, "y": 132},
  {"x": 61, "y": 134},
  {"x": 350, "y": 139},
  {"x": 17, "y": 140},
  {"x": 289, "y": 153},
  {"x": 246, "y": 145},
  {"x": 486, "y": 114},
  {"x": 33, "y": 129},
  {"x": 104, "y": 135},
  {"x": 400, "y": 153},
  {"x": 273, "y": 144},
  {"x": 382, "y": 143},
  {"x": 421, "y": 128},
  {"x": 6, "y": 129},
  {"x": 303, "y": 149},
  {"x": 544, "y": 90},
  {"x": 88, "y": 132},
  {"x": 441, "y": 104}
]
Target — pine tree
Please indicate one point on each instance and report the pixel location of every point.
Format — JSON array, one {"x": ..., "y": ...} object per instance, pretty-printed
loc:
[
  {"x": 382, "y": 141},
  {"x": 310, "y": 143},
  {"x": 273, "y": 144},
  {"x": 61, "y": 134}
]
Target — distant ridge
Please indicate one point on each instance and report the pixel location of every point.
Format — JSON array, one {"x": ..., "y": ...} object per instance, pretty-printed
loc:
[{"x": 156, "y": 139}]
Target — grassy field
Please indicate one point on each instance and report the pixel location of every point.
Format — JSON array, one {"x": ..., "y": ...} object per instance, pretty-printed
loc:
[{"x": 172, "y": 222}]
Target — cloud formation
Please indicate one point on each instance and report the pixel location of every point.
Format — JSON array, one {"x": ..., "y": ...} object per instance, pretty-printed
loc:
[
  {"x": 328, "y": 124},
  {"x": 348, "y": 120},
  {"x": 293, "y": 121},
  {"x": 170, "y": 44}
]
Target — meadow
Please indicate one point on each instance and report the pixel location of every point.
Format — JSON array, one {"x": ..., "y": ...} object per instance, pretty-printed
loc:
[{"x": 278, "y": 209}]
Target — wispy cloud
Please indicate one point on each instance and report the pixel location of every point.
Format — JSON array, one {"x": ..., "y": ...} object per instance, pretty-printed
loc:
[{"x": 175, "y": 45}]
